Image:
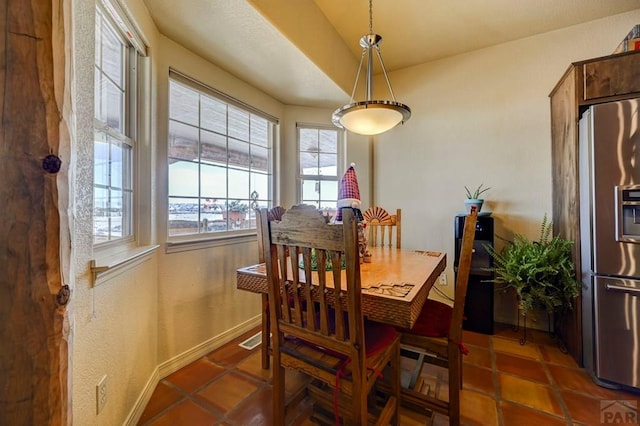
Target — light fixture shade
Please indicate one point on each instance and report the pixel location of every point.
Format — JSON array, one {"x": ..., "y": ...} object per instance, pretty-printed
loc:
[{"x": 371, "y": 117}]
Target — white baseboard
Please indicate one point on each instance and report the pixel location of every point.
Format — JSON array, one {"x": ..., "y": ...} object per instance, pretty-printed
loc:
[
  {"x": 143, "y": 399},
  {"x": 187, "y": 357}
]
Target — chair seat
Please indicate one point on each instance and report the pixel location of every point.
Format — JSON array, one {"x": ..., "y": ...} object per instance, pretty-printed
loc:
[
  {"x": 434, "y": 320},
  {"x": 377, "y": 336}
]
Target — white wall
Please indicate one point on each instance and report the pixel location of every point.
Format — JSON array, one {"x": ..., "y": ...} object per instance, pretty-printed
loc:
[
  {"x": 482, "y": 117},
  {"x": 114, "y": 325}
]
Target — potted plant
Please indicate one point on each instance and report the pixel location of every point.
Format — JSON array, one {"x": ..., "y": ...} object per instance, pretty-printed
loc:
[
  {"x": 237, "y": 211},
  {"x": 541, "y": 272},
  {"x": 473, "y": 197}
]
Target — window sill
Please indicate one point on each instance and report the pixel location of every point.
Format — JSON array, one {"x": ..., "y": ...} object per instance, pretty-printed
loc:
[
  {"x": 107, "y": 267},
  {"x": 177, "y": 245}
]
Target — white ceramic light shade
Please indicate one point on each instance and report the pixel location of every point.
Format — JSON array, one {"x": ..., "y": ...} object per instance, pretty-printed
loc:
[{"x": 371, "y": 117}]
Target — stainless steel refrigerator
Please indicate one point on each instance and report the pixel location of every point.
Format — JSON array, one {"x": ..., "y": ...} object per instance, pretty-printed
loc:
[{"x": 609, "y": 159}]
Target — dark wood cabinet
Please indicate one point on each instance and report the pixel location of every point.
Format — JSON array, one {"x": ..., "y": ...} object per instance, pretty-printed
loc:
[
  {"x": 609, "y": 77},
  {"x": 585, "y": 83}
]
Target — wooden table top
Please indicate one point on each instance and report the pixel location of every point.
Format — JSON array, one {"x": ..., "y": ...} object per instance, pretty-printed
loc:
[{"x": 395, "y": 284}]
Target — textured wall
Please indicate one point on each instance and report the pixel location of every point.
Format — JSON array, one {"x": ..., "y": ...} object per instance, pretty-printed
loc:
[
  {"x": 115, "y": 323},
  {"x": 482, "y": 117}
]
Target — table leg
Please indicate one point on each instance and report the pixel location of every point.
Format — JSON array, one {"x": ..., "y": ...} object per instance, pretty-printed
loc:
[{"x": 266, "y": 331}]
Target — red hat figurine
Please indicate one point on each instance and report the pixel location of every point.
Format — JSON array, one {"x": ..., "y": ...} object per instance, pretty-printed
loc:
[{"x": 349, "y": 193}]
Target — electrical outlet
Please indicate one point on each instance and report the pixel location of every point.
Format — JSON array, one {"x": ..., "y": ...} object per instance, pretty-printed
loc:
[
  {"x": 101, "y": 394},
  {"x": 442, "y": 280}
]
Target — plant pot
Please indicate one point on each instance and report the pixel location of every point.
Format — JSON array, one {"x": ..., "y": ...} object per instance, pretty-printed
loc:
[
  {"x": 469, "y": 202},
  {"x": 235, "y": 216}
]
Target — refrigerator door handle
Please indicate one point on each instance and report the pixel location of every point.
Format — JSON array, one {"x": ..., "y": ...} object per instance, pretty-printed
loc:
[{"x": 622, "y": 288}]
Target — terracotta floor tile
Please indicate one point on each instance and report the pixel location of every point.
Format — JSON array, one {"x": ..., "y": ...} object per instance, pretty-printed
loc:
[
  {"x": 228, "y": 387},
  {"x": 163, "y": 397},
  {"x": 477, "y": 378},
  {"x": 253, "y": 365},
  {"x": 589, "y": 410},
  {"x": 294, "y": 382},
  {"x": 478, "y": 356},
  {"x": 541, "y": 337},
  {"x": 533, "y": 335},
  {"x": 439, "y": 420},
  {"x": 513, "y": 414},
  {"x": 477, "y": 409},
  {"x": 578, "y": 380},
  {"x": 522, "y": 367},
  {"x": 476, "y": 339},
  {"x": 531, "y": 394},
  {"x": 411, "y": 418},
  {"x": 231, "y": 354},
  {"x": 256, "y": 410},
  {"x": 506, "y": 331},
  {"x": 553, "y": 355},
  {"x": 195, "y": 375},
  {"x": 581, "y": 407},
  {"x": 304, "y": 422},
  {"x": 528, "y": 350},
  {"x": 228, "y": 391},
  {"x": 435, "y": 371},
  {"x": 186, "y": 413},
  {"x": 300, "y": 414}
]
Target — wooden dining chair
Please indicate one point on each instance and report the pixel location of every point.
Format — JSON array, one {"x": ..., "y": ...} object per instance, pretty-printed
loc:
[
  {"x": 381, "y": 225},
  {"x": 328, "y": 340},
  {"x": 436, "y": 337},
  {"x": 274, "y": 213}
]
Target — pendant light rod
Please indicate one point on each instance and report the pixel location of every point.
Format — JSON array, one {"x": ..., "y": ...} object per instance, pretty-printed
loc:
[{"x": 371, "y": 117}]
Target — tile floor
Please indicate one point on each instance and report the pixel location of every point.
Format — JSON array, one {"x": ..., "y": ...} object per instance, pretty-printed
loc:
[{"x": 505, "y": 384}]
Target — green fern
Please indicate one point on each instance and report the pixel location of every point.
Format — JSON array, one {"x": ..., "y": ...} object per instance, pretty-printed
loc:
[
  {"x": 328, "y": 264},
  {"x": 541, "y": 272}
]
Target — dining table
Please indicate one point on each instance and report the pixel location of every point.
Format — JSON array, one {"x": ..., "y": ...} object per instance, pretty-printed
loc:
[{"x": 395, "y": 284}]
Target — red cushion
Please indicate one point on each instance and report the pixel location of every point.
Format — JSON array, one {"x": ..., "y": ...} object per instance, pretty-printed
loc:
[
  {"x": 377, "y": 336},
  {"x": 434, "y": 320}
]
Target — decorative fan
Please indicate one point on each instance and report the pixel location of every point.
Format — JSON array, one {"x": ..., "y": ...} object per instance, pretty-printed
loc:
[
  {"x": 377, "y": 214},
  {"x": 276, "y": 213}
]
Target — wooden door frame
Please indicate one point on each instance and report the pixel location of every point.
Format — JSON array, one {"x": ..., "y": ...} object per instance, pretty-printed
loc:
[{"x": 35, "y": 336}]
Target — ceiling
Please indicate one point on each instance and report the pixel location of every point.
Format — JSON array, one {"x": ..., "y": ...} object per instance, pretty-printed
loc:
[{"x": 306, "y": 52}]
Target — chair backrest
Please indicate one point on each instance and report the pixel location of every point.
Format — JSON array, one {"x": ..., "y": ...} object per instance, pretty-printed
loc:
[
  {"x": 462, "y": 280},
  {"x": 274, "y": 213},
  {"x": 318, "y": 252},
  {"x": 381, "y": 225}
]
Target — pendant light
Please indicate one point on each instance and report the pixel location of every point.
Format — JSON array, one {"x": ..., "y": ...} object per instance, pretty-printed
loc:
[{"x": 371, "y": 117}]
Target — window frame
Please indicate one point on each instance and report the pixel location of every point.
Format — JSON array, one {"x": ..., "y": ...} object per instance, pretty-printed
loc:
[
  {"x": 201, "y": 239},
  {"x": 118, "y": 22},
  {"x": 111, "y": 258},
  {"x": 340, "y": 160}
]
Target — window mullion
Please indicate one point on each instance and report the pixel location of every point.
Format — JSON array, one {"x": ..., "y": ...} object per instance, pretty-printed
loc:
[{"x": 223, "y": 135}]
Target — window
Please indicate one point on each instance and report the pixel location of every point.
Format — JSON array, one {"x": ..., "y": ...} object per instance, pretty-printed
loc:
[
  {"x": 114, "y": 130},
  {"x": 220, "y": 160},
  {"x": 319, "y": 156}
]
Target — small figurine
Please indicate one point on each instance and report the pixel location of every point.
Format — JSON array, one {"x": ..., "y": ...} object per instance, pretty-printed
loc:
[{"x": 349, "y": 197}]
